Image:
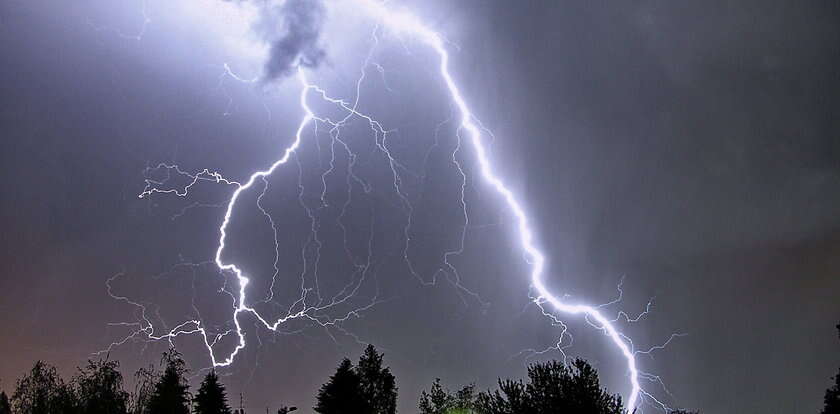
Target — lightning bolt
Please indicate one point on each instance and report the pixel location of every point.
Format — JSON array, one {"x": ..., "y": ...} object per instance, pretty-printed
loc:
[
  {"x": 405, "y": 22},
  {"x": 469, "y": 127}
]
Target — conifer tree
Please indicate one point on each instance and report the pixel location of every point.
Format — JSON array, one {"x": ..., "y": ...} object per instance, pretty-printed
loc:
[
  {"x": 342, "y": 393},
  {"x": 171, "y": 393},
  {"x": 211, "y": 397}
]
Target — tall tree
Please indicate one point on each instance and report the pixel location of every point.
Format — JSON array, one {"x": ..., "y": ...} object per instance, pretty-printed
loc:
[
  {"x": 378, "y": 385},
  {"x": 342, "y": 393},
  {"x": 211, "y": 397},
  {"x": 171, "y": 393},
  {"x": 5, "y": 406},
  {"x": 99, "y": 388},
  {"x": 42, "y": 391},
  {"x": 832, "y": 395}
]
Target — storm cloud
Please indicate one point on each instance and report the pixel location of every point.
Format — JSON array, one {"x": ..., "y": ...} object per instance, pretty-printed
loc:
[{"x": 293, "y": 29}]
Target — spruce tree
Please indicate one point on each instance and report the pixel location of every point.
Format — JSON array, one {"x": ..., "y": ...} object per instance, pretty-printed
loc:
[
  {"x": 171, "y": 393},
  {"x": 211, "y": 397},
  {"x": 342, "y": 393},
  {"x": 378, "y": 385}
]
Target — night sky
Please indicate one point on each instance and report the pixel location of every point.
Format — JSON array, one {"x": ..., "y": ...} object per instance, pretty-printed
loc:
[{"x": 688, "y": 152}]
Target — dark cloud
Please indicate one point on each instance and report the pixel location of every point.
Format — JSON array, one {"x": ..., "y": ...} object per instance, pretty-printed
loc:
[{"x": 293, "y": 28}]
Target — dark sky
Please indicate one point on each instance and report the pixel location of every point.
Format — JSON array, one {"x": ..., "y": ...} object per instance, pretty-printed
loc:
[{"x": 690, "y": 148}]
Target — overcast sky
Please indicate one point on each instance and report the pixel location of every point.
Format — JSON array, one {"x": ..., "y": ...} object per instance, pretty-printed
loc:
[{"x": 690, "y": 149}]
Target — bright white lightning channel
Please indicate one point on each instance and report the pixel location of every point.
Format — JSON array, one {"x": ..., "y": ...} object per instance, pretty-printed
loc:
[{"x": 403, "y": 22}]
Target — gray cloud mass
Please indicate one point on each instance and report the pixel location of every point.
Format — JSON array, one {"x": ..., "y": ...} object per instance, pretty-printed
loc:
[{"x": 293, "y": 29}]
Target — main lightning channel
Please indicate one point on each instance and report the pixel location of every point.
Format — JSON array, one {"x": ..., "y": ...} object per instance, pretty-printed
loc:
[{"x": 405, "y": 22}]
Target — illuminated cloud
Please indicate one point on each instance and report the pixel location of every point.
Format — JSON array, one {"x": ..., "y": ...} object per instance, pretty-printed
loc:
[{"x": 293, "y": 30}]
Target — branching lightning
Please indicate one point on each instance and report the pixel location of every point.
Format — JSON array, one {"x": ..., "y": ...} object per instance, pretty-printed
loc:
[{"x": 309, "y": 308}]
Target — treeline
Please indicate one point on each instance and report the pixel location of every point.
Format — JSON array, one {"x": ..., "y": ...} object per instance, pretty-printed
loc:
[
  {"x": 368, "y": 387},
  {"x": 98, "y": 388}
]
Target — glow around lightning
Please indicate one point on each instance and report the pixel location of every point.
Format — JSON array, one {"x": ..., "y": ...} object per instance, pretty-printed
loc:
[{"x": 403, "y": 23}]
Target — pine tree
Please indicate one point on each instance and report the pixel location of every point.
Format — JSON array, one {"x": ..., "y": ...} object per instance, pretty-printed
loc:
[
  {"x": 378, "y": 385},
  {"x": 171, "y": 393},
  {"x": 342, "y": 393},
  {"x": 211, "y": 397}
]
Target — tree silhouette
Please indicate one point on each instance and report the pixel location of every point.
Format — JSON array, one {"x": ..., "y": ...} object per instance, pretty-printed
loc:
[
  {"x": 365, "y": 389},
  {"x": 99, "y": 388},
  {"x": 440, "y": 401},
  {"x": 832, "y": 395},
  {"x": 211, "y": 397},
  {"x": 342, "y": 393},
  {"x": 552, "y": 387},
  {"x": 42, "y": 391},
  {"x": 144, "y": 386},
  {"x": 171, "y": 393},
  {"x": 5, "y": 406},
  {"x": 378, "y": 385}
]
